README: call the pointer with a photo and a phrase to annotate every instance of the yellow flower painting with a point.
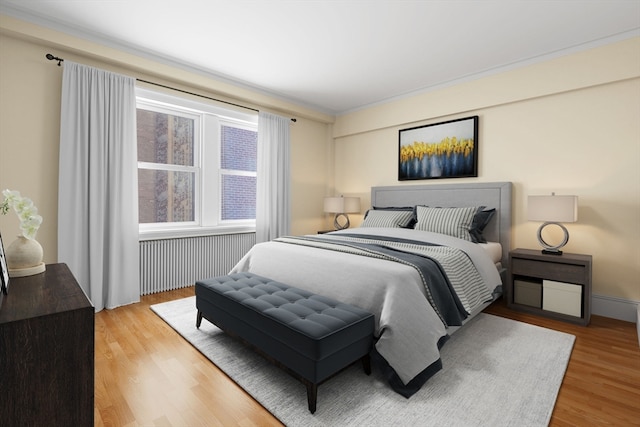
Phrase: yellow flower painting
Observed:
(442, 150)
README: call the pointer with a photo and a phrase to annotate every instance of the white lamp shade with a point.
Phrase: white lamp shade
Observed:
(342, 204)
(552, 208)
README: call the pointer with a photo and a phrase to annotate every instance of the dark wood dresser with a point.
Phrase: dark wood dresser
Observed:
(46, 351)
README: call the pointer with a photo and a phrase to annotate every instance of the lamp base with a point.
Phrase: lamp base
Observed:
(553, 249)
(341, 225)
(546, 252)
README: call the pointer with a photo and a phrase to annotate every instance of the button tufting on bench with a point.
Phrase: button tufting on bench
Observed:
(310, 335)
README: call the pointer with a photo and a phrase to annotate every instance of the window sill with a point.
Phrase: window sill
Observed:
(193, 232)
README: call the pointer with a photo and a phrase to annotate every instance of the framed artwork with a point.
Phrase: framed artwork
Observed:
(442, 150)
(4, 270)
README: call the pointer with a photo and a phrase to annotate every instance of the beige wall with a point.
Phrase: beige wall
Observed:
(570, 125)
(30, 111)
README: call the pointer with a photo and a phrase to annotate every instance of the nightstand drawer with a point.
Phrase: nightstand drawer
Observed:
(571, 273)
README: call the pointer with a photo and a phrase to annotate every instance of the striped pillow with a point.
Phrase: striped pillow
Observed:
(451, 221)
(389, 219)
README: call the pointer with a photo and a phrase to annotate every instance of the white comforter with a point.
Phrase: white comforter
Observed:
(407, 327)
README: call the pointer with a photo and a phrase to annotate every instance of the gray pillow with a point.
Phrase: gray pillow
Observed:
(388, 218)
(479, 223)
(454, 222)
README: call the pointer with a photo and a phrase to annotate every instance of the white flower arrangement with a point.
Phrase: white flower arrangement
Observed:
(25, 209)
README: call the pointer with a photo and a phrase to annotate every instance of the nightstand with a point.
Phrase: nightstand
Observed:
(555, 286)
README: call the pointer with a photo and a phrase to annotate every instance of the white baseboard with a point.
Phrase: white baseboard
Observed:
(616, 308)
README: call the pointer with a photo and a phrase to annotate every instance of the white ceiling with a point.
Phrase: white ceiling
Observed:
(339, 56)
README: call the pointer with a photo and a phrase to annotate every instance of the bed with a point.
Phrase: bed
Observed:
(422, 275)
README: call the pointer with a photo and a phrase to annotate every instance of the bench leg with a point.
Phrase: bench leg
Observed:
(312, 395)
(366, 364)
(198, 319)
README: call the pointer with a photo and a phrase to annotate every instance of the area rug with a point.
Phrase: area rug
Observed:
(496, 372)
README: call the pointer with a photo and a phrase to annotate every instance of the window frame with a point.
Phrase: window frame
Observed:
(207, 154)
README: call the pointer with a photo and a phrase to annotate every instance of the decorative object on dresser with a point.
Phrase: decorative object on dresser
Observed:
(47, 351)
(24, 256)
(341, 206)
(4, 270)
(552, 210)
(549, 285)
(442, 150)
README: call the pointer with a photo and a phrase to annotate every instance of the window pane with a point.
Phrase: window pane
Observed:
(164, 138)
(238, 197)
(165, 196)
(239, 149)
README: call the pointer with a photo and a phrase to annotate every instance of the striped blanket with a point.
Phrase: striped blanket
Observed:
(452, 284)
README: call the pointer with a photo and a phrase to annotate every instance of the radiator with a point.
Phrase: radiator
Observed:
(177, 263)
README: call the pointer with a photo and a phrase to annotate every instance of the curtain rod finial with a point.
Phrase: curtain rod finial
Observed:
(50, 57)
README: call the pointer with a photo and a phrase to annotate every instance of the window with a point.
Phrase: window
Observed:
(238, 173)
(196, 167)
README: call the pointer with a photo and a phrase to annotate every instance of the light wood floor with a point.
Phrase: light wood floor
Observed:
(147, 375)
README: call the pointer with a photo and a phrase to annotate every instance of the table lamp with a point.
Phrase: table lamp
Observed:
(552, 210)
(341, 206)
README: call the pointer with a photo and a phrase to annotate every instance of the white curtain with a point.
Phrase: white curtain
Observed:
(98, 190)
(273, 210)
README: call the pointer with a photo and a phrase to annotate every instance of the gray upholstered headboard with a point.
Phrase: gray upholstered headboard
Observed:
(490, 194)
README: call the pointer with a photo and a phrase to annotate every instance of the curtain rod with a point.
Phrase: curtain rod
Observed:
(50, 57)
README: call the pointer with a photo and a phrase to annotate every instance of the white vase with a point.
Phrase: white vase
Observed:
(24, 257)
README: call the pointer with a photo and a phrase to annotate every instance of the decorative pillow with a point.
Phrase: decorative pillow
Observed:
(391, 218)
(479, 223)
(454, 222)
(411, 209)
(394, 208)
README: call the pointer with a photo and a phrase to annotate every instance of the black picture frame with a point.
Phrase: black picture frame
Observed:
(4, 270)
(441, 150)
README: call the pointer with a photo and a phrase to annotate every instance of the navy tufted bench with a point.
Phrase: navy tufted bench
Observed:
(310, 336)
